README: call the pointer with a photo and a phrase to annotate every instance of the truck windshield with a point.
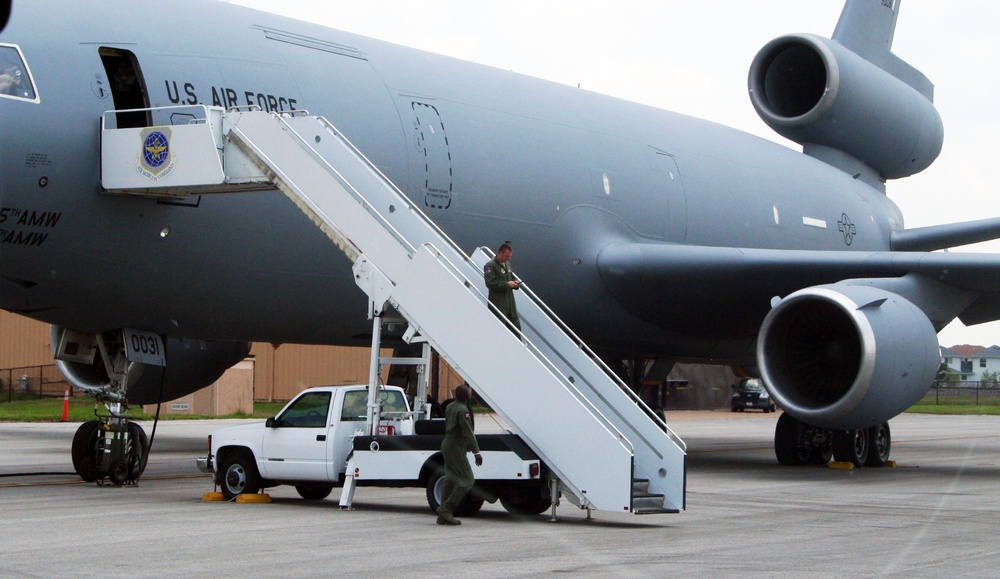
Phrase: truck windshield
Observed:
(15, 81)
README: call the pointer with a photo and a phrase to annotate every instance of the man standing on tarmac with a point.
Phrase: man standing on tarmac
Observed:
(501, 282)
(459, 439)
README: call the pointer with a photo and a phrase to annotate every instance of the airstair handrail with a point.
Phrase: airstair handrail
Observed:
(537, 352)
(202, 119)
(409, 205)
(596, 359)
(360, 197)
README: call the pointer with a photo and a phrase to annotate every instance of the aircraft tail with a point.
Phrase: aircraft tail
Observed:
(866, 28)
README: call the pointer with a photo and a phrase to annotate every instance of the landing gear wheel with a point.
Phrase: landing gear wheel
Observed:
(88, 469)
(468, 506)
(527, 501)
(821, 456)
(879, 445)
(84, 450)
(118, 472)
(790, 446)
(238, 476)
(313, 493)
(851, 446)
(137, 451)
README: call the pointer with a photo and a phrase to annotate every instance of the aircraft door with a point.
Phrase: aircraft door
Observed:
(669, 176)
(128, 89)
(650, 193)
(430, 160)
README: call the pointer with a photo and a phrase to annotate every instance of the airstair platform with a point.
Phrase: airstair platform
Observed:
(607, 449)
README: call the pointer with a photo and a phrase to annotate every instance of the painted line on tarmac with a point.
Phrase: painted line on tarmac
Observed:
(81, 482)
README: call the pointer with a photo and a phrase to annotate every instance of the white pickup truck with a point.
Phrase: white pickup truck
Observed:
(323, 432)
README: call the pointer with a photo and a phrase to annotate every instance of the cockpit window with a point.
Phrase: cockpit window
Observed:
(15, 80)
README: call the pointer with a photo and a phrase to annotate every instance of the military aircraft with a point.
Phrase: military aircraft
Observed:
(615, 208)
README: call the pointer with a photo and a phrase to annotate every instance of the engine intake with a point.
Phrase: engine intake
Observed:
(814, 91)
(847, 357)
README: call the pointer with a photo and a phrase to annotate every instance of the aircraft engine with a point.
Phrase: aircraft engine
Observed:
(815, 91)
(846, 357)
(190, 366)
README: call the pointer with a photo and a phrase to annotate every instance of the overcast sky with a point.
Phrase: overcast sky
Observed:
(692, 57)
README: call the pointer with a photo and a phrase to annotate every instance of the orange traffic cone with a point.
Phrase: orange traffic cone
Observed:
(65, 416)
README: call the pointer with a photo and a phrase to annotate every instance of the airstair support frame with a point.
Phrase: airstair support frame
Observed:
(297, 173)
(660, 453)
(546, 384)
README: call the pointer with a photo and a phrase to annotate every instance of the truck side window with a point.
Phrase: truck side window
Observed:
(355, 406)
(308, 411)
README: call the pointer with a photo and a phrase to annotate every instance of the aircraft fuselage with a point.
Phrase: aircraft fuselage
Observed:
(490, 155)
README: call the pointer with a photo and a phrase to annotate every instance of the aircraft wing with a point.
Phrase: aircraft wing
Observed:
(648, 276)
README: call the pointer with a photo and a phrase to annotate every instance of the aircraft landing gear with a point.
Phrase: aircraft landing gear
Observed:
(879, 445)
(110, 449)
(797, 443)
(851, 446)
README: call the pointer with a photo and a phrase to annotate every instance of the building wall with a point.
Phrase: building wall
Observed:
(975, 365)
(970, 363)
(230, 394)
(282, 372)
(279, 372)
(23, 342)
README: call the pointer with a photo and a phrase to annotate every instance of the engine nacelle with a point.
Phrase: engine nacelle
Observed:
(847, 357)
(813, 90)
(191, 365)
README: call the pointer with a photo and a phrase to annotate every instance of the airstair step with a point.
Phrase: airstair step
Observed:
(656, 511)
(647, 501)
(640, 485)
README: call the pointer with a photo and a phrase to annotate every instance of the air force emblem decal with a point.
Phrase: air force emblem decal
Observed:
(847, 228)
(155, 160)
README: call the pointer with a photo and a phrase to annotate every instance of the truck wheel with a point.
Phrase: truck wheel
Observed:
(238, 475)
(468, 506)
(527, 501)
(313, 493)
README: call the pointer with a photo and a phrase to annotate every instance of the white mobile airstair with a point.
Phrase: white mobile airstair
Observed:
(607, 449)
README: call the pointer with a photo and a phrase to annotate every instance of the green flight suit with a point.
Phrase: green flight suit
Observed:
(459, 440)
(501, 295)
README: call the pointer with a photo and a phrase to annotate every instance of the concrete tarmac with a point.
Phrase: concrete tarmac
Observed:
(936, 514)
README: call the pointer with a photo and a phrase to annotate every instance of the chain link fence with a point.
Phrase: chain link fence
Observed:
(963, 394)
(33, 382)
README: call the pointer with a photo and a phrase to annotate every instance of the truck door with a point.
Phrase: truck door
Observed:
(296, 448)
(353, 414)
